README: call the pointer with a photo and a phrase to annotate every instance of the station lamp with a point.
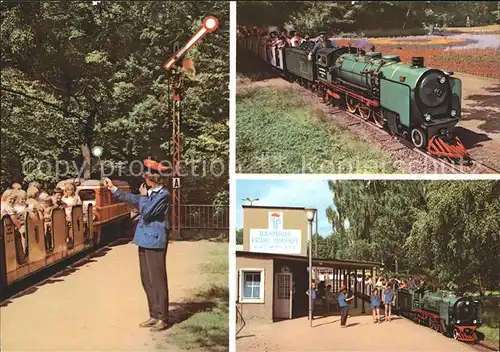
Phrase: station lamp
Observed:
(310, 212)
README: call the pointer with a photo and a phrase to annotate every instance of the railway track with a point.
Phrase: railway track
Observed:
(445, 166)
(474, 167)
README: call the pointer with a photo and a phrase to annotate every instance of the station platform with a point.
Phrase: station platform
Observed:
(97, 304)
(361, 334)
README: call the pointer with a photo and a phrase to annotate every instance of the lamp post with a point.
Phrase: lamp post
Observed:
(251, 200)
(310, 217)
(97, 152)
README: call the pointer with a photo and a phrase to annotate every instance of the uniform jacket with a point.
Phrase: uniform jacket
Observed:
(152, 228)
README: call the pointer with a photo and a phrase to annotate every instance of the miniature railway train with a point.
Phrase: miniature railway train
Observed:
(409, 100)
(442, 311)
(50, 242)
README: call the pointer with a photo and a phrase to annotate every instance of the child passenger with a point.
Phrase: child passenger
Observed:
(375, 303)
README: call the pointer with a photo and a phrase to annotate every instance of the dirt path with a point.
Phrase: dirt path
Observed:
(479, 128)
(360, 335)
(98, 307)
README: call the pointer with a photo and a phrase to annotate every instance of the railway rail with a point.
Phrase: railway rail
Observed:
(474, 166)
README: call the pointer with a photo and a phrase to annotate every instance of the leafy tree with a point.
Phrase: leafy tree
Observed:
(446, 230)
(455, 237)
(312, 17)
(239, 236)
(76, 75)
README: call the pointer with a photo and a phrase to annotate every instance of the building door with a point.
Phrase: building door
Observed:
(283, 296)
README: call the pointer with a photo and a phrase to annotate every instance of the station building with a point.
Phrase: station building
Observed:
(273, 265)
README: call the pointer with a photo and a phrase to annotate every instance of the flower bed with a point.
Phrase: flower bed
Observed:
(484, 62)
(481, 60)
(418, 41)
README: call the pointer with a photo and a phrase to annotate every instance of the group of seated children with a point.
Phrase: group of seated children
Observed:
(18, 203)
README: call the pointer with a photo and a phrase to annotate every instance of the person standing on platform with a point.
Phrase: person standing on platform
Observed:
(151, 236)
(388, 295)
(344, 306)
(375, 304)
(314, 295)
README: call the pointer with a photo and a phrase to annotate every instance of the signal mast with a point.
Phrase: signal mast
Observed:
(208, 25)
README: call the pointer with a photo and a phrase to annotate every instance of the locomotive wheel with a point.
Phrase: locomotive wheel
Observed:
(418, 138)
(351, 104)
(365, 112)
(455, 333)
(378, 118)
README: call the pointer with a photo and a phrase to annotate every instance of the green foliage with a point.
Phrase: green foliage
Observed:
(281, 132)
(312, 17)
(447, 231)
(239, 236)
(76, 75)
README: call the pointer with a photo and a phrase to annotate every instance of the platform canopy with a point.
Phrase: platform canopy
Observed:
(325, 263)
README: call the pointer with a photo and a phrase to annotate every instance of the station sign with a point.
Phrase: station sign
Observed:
(176, 182)
(275, 239)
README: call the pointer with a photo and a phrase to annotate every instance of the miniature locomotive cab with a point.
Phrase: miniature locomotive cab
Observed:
(56, 233)
(442, 311)
(99, 207)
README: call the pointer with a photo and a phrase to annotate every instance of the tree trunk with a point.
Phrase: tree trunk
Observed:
(406, 17)
(86, 161)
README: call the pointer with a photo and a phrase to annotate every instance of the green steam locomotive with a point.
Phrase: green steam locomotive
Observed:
(410, 100)
(442, 311)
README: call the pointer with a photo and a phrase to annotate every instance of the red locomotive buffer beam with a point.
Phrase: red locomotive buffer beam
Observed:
(438, 147)
(465, 333)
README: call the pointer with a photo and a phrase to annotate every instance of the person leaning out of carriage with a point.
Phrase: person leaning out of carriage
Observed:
(151, 236)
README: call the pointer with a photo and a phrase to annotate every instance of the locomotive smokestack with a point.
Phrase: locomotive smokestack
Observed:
(417, 61)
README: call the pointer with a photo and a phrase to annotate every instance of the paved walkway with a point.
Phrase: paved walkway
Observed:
(360, 335)
(98, 306)
(479, 127)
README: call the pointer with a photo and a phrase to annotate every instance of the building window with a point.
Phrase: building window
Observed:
(252, 286)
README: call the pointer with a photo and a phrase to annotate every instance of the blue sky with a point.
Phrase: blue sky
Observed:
(292, 193)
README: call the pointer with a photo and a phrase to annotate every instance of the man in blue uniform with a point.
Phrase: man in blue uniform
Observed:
(151, 236)
(344, 305)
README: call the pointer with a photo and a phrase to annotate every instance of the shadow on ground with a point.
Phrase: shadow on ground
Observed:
(57, 272)
(203, 321)
(253, 69)
(486, 109)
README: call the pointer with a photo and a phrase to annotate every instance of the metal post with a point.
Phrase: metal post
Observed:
(355, 288)
(316, 238)
(310, 275)
(364, 291)
(176, 153)
(348, 279)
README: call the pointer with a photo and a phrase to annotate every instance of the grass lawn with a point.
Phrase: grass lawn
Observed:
(491, 333)
(492, 28)
(207, 330)
(279, 131)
